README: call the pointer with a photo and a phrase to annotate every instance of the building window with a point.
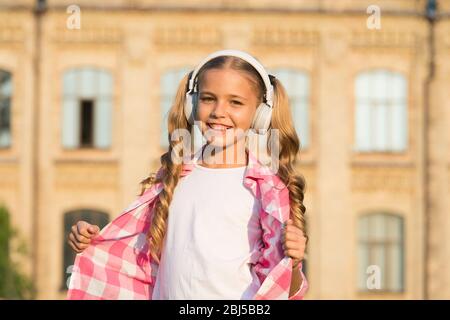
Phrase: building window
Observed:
(169, 85)
(381, 120)
(100, 219)
(380, 244)
(87, 123)
(87, 109)
(5, 108)
(297, 87)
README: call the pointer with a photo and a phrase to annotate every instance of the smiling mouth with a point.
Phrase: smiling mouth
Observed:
(218, 127)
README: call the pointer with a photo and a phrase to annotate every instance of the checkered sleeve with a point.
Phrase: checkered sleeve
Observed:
(273, 268)
(303, 287)
(117, 265)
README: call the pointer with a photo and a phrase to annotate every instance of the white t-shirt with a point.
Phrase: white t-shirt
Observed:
(213, 236)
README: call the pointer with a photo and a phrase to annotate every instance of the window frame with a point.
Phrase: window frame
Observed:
(393, 102)
(8, 97)
(74, 91)
(167, 98)
(303, 98)
(370, 244)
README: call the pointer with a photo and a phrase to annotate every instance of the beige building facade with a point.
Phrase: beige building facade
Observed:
(377, 196)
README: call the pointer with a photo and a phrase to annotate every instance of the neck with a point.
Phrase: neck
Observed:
(231, 156)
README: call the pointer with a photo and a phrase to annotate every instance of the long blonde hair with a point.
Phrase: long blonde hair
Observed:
(289, 146)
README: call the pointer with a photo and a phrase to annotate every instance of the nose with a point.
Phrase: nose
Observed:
(220, 109)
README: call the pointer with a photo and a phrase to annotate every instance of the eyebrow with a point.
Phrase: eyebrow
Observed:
(230, 95)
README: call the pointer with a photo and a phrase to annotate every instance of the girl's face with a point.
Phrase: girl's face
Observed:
(226, 106)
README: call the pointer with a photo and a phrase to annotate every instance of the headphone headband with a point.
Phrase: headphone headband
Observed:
(239, 54)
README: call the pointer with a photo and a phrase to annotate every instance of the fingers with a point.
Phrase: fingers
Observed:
(293, 228)
(79, 237)
(294, 254)
(93, 229)
(76, 246)
(294, 242)
(293, 250)
(293, 234)
(294, 237)
(82, 228)
(290, 244)
(293, 245)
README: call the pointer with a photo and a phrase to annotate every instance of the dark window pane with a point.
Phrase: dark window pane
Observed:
(5, 117)
(5, 105)
(87, 123)
(5, 79)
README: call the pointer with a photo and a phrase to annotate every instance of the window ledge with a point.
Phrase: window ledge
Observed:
(87, 159)
(8, 159)
(402, 159)
(86, 155)
(381, 294)
(404, 163)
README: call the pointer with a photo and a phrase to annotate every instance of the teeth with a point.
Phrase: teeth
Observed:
(218, 127)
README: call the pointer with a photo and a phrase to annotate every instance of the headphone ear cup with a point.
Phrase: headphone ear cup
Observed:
(194, 106)
(262, 118)
(194, 101)
(190, 106)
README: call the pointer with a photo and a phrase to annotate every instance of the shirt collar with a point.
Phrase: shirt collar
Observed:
(265, 185)
(254, 170)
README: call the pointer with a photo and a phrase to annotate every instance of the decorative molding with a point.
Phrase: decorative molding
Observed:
(87, 175)
(284, 37)
(335, 46)
(385, 39)
(11, 33)
(88, 34)
(385, 179)
(137, 46)
(187, 35)
(236, 36)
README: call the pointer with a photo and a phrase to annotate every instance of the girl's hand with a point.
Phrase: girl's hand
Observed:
(294, 242)
(81, 235)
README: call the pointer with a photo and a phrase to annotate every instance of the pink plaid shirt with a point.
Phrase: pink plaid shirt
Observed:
(117, 265)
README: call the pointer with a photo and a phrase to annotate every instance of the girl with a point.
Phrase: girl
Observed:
(210, 223)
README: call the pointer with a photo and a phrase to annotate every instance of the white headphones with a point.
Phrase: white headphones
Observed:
(263, 114)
